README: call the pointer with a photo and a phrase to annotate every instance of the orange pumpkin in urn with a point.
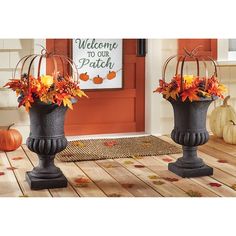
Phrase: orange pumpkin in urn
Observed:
(98, 80)
(10, 139)
(111, 75)
(84, 76)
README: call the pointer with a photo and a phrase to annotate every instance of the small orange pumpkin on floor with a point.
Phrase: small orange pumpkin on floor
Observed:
(10, 139)
(84, 76)
(98, 80)
(111, 75)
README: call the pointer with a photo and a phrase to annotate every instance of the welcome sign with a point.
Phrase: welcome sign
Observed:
(99, 62)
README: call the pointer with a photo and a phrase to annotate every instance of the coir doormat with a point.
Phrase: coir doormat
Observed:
(97, 149)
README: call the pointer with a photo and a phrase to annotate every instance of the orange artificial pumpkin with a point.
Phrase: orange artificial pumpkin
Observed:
(10, 139)
(111, 75)
(98, 80)
(84, 76)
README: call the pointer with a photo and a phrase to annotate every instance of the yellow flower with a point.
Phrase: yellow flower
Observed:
(47, 80)
(222, 88)
(188, 79)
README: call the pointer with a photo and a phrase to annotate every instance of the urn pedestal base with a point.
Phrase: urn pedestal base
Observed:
(188, 172)
(39, 183)
(190, 165)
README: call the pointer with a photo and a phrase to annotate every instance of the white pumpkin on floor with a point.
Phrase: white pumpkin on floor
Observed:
(229, 133)
(221, 116)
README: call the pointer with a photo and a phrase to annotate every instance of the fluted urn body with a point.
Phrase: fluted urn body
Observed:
(190, 132)
(46, 139)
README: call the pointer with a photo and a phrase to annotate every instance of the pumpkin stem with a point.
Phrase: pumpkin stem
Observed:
(10, 126)
(225, 102)
(232, 122)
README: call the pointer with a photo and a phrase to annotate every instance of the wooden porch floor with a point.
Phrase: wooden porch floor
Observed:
(139, 177)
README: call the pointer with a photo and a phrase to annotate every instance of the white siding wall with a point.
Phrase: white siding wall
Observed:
(11, 51)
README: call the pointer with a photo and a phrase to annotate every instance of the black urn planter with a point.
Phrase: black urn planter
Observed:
(190, 132)
(46, 139)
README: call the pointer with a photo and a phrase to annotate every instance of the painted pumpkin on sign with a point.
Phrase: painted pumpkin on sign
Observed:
(221, 116)
(111, 75)
(10, 139)
(84, 76)
(229, 133)
(98, 80)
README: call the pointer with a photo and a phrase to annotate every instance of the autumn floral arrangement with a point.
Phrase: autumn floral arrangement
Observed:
(194, 88)
(45, 88)
(50, 89)
(190, 87)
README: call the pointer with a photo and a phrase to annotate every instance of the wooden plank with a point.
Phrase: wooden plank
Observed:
(221, 145)
(218, 152)
(211, 161)
(8, 184)
(222, 190)
(72, 172)
(225, 178)
(129, 181)
(22, 166)
(159, 166)
(164, 187)
(103, 180)
(206, 181)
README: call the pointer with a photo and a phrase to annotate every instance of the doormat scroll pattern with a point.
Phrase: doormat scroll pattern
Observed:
(98, 149)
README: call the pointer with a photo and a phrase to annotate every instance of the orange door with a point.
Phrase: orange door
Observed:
(208, 46)
(108, 111)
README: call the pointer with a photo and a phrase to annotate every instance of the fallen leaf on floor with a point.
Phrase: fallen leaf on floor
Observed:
(81, 185)
(153, 177)
(192, 193)
(81, 180)
(127, 185)
(11, 168)
(109, 166)
(2, 173)
(222, 161)
(170, 179)
(128, 162)
(79, 144)
(114, 195)
(215, 184)
(110, 143)
(167, 159)
(158, 182)
(233, 187)
(139, 166)
(17, 158)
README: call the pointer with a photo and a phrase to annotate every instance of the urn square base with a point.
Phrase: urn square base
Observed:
(187, 172)
(37, 184)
